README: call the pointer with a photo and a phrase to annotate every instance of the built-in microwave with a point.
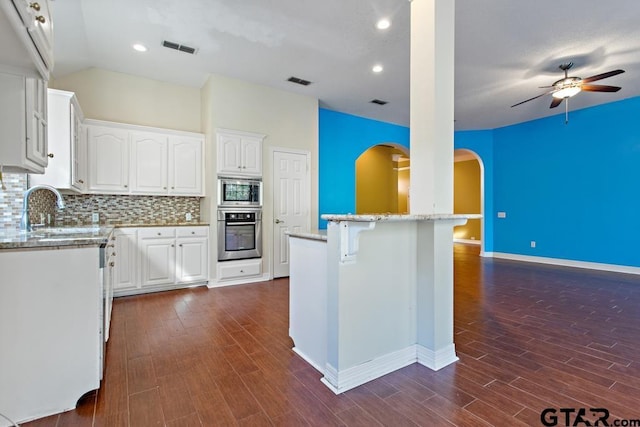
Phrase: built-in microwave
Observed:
(239, 192)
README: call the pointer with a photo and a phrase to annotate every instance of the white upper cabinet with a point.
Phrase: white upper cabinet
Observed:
(239, 153)
(152, 161)
(23, 123)
(27, 30)
(108, 152)
(148, 163)
(186, 164)
(66, 145)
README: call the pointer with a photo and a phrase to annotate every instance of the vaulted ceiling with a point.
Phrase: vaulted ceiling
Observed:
(505, 49)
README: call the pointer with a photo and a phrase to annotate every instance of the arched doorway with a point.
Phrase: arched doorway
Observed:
(468, 196)
(382, 180)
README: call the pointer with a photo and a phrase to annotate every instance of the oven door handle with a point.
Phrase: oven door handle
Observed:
(240, 223)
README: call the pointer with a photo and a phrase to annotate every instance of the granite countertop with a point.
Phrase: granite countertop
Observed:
(397, 217)
(311, 235)
(166, 224)
(71, 236)
(55, 238)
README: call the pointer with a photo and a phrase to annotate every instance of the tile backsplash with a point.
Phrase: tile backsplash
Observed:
(13, 185)
(112, 209)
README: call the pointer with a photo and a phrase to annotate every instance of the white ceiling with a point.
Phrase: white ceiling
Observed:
(505, 49)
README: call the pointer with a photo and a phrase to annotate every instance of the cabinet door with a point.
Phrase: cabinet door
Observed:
(185, 166)
(78, 151)
(229, 154)
(192, 260)
(125, 273)
(148, 163)
(158, 257)
(36, 111)
(251, 156)
(108, 152)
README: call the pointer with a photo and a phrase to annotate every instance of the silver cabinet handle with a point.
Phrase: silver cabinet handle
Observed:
(173, 246)
(180, 245)
(50, 155)
(278, 221)
(111, 264)
(35, 6)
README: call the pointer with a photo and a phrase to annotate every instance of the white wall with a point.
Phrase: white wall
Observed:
(118, 97)
(289, 121)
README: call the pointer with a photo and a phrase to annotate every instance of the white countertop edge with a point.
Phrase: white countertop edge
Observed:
(398, 217)
(307, 235)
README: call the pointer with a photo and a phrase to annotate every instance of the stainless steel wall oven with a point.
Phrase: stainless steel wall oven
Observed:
(239, 234)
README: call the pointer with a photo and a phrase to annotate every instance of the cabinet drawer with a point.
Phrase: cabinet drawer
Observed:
(192, 231)
(232, 270)
(156, 232)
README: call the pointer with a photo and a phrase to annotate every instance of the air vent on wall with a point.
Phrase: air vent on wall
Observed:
(378, 101)
(180, 47)
(299, 81)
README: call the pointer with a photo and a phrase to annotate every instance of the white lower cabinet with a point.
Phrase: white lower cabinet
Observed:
(157, 258)
(192, 254)
(237, 270)
(125, 272)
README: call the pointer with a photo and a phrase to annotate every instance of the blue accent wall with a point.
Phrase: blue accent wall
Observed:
(572, 188)
(343, 138)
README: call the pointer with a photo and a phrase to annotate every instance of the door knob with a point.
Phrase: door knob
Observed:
(278, 221)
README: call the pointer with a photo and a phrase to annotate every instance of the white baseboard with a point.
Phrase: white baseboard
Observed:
(345, 380)
(213, 283)
(566, 262)
(308, 360)
(436, 360)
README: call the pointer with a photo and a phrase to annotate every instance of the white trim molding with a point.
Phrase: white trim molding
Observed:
(349, 378)
(565, 262)
(436, 360)
(307, 359)
(215, 283)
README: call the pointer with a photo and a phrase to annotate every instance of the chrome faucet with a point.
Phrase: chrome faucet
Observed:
(25, 223)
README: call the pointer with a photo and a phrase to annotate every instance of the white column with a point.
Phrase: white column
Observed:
(431, 185)
(431, 122)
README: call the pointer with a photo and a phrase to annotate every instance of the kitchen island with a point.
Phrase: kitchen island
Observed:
(52, 305)
(383, 297)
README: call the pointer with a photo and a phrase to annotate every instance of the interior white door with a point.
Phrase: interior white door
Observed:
(291, 203)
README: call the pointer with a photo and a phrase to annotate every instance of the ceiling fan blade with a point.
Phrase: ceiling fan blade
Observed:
(535, 97)
(602, 76)
(600, 88)
(555, 102)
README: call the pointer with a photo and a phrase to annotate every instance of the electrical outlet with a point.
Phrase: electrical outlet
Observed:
(95, 217)
(188, 216)
(502, 214)
(533, 243)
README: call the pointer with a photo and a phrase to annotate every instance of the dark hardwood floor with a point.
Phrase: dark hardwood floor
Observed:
(529, 337)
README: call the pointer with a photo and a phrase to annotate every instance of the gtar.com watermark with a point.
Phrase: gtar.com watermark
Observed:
(587, 417)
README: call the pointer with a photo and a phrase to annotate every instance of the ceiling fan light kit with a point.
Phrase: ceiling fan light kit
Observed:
(570, 86)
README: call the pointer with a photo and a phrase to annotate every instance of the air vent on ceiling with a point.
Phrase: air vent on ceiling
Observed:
(378, 101)
(299, 81)
(180, 47)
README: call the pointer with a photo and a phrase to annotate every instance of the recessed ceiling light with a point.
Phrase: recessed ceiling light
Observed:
(140, 47)
(383, 24)
(377, 68)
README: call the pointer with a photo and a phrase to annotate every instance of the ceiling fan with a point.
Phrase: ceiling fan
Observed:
(570, 86)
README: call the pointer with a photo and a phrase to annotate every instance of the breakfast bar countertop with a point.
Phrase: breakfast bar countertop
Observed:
(310, 235)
